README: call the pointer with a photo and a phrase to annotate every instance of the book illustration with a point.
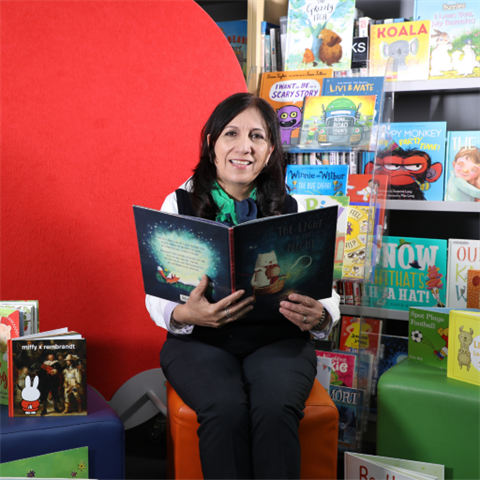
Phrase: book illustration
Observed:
(473, 289)
(462, 166)
(236, 33)
(376, 467)
(400, 51)
(344, 368)
(319, 34)
(329, 180)
(410, 273)
(463, 257)
(416, 169)
(48, 376)
(454, 37)
(368, 341)
(324, 371)
(464, 357)
(269, 258)
(29, 308)
(72, 463)
(285, 92)
(310, 202)
(344, 121)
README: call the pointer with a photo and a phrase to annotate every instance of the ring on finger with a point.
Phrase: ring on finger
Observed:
(227, 313)
(305, 319)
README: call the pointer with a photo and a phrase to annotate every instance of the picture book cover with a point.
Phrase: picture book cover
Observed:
(463, 257)
(285, 92)
(333, 121)
(350, 404)
(29, 308)
(464, 348)
(462, 166)
(71, 463)
(11, 326)
(416, 169)
(236, 33)
(369, 339)
(428, 336)
(324, 371)
(376, 467)
(473, 289)
(400, 51)
(269, 258)
(411, 273)
(329, 180)
(454, 37)
(310, 202)
(319, 34)
(344, 368)
(47, 375)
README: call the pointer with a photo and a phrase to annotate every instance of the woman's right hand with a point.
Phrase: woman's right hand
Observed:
(199, 311)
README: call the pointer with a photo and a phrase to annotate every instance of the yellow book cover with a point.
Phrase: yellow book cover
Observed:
(406, 48)
(464, 346)
(355, 242)
(285, 92)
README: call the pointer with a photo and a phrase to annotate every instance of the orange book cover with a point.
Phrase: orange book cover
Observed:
(406, 48)
(285, 92)
(350, 335)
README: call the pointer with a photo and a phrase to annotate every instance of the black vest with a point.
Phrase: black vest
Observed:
(242, 336)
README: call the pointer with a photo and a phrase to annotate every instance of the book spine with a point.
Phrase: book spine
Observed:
(278, 50)
(348, 287)
(273, 49)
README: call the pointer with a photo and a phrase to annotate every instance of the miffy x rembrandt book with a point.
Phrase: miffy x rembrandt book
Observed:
(269, 258)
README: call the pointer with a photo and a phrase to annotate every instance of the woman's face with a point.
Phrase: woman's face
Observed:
(241, 151)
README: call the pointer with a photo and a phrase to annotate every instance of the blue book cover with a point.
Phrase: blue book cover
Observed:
(268, 257)
(462, 166)
(416, 169)
(411, 272)
(236, 33)
(317, 179)
(454, 37)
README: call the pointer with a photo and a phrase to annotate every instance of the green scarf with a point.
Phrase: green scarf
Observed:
(228, 211)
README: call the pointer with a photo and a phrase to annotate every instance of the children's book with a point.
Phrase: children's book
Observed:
(236, 33)
(400, 51)
(454, 37)
(428, 336)
(265, 56)
(324, 371)
(11, 326)
(333, 121)
(319, 34)
(71, 463)
(350, 405)
(285, 92)
(344, 368)
(464, 348)
(29, 308)
(463, 257)
(269, 258)
(359, 466)
(310, 202)
(411, 273)
(369, 340)
(473, 289)
(329, 180)
(47, 374)
(462, 166)
(416, 169)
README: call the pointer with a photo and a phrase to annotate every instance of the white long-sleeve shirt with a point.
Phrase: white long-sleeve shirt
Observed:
(160, 310)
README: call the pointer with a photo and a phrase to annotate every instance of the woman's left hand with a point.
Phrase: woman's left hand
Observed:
(303, 311)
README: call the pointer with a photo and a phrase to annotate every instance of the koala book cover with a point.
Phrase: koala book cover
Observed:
(319, 34)
(269, 258)
(47, 375)
(400, 51)
(464, 346)
(285, 92)
(454, 37)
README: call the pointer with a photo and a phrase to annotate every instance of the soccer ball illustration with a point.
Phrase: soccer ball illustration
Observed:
(417, 336)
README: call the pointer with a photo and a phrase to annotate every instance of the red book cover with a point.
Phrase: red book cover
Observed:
(343, 367)
(350, 335)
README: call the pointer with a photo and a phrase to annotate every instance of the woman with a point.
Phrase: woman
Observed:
(246, 380)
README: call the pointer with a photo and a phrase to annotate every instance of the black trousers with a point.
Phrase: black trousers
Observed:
(249, 407)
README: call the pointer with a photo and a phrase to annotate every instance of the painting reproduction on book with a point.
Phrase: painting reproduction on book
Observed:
(319, 34)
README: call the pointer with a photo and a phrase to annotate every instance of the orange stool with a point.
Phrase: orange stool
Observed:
(318, 437)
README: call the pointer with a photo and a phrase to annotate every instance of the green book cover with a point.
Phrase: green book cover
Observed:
(71, 463)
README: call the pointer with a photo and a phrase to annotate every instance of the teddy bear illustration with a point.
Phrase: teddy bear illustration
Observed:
(30, 395)
(464, 355)
(330, 50)
(440, 60)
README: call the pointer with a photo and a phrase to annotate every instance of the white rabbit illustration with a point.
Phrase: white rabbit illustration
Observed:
(30, 395)
(440, 60)
(467, 64)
